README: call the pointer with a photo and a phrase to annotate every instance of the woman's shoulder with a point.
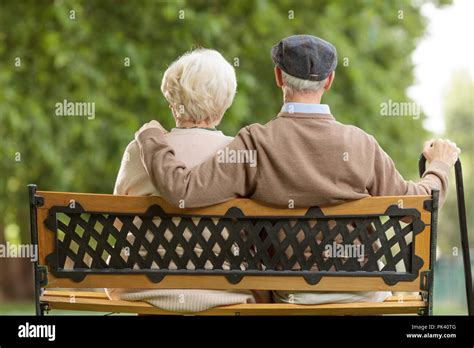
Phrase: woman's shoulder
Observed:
(132, 147)
(131, 154)
(132, 178)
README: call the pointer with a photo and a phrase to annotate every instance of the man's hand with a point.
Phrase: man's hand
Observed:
(441, 150)
(151, 124)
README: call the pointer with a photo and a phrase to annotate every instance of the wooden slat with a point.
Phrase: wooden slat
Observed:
(89, 303)
(103, 295)
(220, 283)
(46, 238)
(422, 247)
(136, 204)
(401, 298)
(83, 294)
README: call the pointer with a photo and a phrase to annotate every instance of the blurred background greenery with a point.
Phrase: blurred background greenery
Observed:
(83, 59)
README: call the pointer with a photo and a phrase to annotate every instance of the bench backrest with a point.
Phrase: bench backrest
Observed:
(97, 241)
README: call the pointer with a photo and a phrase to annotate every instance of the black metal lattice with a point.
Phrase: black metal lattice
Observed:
(234, 245)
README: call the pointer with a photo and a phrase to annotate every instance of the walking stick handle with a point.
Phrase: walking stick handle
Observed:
(422, 165)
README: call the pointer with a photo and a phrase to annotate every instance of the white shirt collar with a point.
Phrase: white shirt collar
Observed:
(304, 108)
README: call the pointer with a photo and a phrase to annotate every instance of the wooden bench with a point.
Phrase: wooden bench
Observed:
(82, 237)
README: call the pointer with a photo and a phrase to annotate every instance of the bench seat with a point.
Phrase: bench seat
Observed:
(99, 302)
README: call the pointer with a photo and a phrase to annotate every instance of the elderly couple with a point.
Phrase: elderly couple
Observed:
(303, 155)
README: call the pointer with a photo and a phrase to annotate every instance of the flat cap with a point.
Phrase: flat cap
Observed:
(305, 56)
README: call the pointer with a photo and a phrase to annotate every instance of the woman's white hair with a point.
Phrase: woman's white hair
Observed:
(200, 86)
(293, 84)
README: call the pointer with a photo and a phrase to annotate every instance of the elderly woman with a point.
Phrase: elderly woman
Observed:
(199, 87)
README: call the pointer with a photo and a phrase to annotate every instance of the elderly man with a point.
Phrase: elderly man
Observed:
(304, 156)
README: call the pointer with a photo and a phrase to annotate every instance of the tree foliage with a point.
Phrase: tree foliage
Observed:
(82, 59)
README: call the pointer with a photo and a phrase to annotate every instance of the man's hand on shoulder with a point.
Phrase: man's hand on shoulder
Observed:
(151, 125)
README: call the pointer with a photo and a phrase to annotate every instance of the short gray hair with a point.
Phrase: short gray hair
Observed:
(294, 84)
(200, 86)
